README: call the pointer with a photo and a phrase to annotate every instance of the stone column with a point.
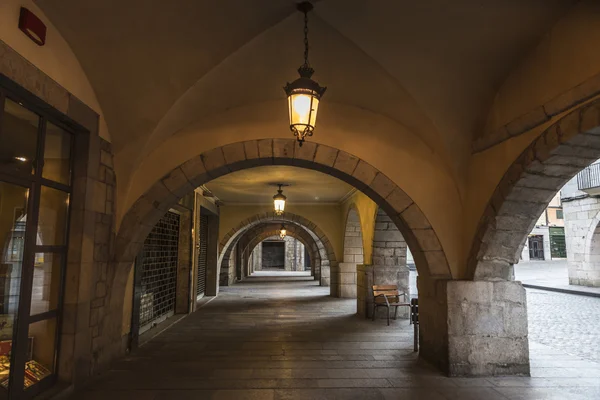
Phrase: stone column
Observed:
(474, 328)
(212, 257)
(184, 262)
(326, 274)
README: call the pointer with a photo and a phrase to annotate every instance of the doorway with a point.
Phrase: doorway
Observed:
(536, 247)
(273, 255)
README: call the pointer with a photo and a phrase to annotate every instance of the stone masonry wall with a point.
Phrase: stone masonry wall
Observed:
(104, 237)
(388, 268)
(582, 235)
(389, 246)
(294, 254)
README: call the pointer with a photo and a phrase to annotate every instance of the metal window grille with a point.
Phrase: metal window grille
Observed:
(202, 255)
(589, 177)
(159, 271)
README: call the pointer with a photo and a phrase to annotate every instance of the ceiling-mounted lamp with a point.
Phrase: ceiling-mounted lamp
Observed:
(279, 201)
(282, 231)
(304, 94)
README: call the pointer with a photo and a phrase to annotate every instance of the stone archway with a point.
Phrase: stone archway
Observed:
(327, 254)
(138, 221)
(146, 210)
(313, 253)
(556, 156)
(257, 234)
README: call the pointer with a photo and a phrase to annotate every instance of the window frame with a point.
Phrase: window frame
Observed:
(34, 183)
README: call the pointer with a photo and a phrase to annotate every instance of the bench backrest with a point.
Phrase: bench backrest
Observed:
(386, 290)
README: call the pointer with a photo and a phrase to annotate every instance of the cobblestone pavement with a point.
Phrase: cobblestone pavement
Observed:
(567, 322)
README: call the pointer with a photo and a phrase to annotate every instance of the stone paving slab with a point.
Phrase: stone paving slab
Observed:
(237, 347)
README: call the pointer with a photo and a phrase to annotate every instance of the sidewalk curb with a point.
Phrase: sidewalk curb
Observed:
(560, 290)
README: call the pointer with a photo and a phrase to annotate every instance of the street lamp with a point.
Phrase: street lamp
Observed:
(279, 201)
(304, 94)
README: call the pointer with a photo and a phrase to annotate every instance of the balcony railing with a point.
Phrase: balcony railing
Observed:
(589, 178)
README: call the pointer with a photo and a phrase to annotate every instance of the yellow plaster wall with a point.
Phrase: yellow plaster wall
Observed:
(367, 211)
(55, 58)
(567, 56)
(326, 217)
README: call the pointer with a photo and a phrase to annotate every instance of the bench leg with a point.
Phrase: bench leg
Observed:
(388, 315)
(374, 311)
(396, 313)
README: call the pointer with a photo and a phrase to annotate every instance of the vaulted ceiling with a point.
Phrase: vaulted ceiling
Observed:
(432, 65)
(258, 185)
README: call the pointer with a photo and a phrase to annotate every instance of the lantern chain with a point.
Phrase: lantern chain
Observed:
(306, 63)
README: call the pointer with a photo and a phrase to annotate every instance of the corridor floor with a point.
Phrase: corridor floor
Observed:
(284, 338)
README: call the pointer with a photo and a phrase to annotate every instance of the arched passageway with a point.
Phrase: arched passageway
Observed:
(444, 127)
(296, 255)
(255, 224)
(144, 213)
(404, 213)
(257, 234)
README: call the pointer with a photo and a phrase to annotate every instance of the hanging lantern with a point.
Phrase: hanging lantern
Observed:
(304, 94)
(282, 232)
(279, 201)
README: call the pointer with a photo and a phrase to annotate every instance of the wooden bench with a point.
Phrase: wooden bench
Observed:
(388, 296)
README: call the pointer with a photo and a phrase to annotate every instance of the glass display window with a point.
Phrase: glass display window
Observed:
(35, 177)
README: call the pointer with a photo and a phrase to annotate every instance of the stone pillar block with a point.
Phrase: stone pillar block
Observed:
(343, 281)
(326, 275)
(474, 328)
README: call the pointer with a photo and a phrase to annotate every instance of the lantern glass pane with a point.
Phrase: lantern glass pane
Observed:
(303, 109)
(313, 114)
(279, 205)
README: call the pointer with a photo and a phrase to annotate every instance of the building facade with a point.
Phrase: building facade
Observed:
(546, 241)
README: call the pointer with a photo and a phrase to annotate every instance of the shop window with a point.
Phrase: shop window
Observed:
(35, 178)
